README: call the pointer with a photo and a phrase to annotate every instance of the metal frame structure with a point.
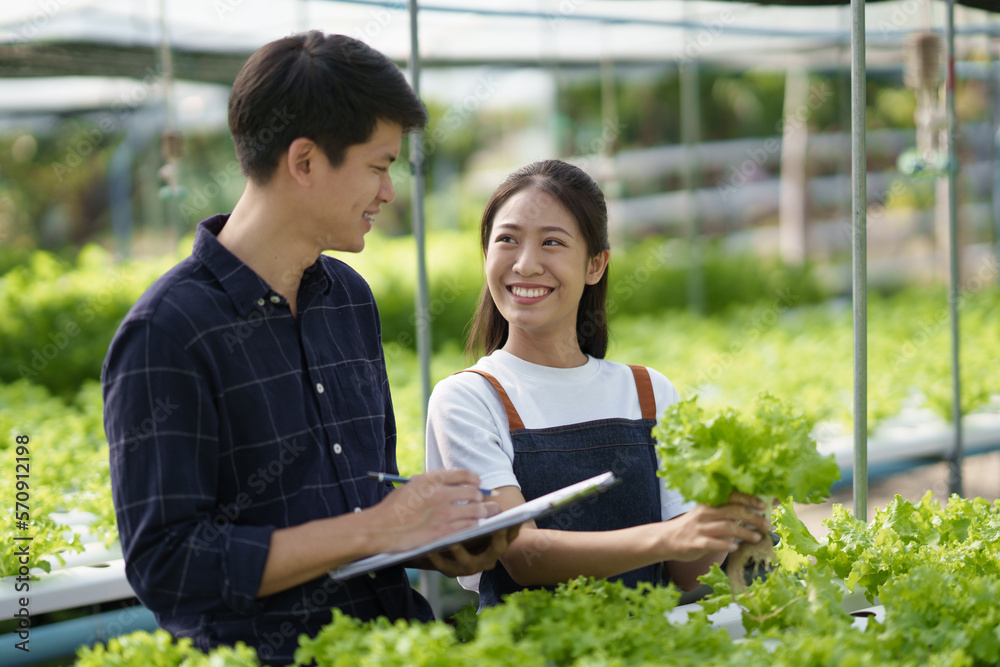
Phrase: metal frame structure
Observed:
(858, 208)
(859, 220)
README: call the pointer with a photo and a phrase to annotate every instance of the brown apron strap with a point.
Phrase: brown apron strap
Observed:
(513, 419)
(647, 401)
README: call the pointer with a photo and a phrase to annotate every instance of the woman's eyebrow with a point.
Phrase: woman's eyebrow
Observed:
(547, 228)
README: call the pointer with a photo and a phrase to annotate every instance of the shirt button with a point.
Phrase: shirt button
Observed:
(260, 302)
(275, 298)
(337, 448)
(319, 388)
(357, 509)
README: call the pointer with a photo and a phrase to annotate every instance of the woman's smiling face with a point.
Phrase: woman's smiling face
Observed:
(537, 265)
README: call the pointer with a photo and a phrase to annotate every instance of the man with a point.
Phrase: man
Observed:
(246, 394)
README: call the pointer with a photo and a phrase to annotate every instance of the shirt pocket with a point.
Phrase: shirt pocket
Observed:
(360, 381)
(363, 396)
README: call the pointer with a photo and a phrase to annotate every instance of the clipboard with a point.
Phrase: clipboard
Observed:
(533, 509)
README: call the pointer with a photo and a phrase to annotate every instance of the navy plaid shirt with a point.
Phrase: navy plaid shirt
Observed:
(228, 418)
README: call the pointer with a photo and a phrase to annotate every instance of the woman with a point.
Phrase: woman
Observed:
(543, 409)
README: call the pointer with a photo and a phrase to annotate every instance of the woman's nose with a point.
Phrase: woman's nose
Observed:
(527, 262)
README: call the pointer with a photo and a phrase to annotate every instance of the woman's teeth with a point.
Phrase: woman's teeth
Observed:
(538, 291)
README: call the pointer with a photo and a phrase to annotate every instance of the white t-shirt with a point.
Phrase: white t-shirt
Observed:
(467, 424)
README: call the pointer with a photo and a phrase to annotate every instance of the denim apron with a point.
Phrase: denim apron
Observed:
(547, 459)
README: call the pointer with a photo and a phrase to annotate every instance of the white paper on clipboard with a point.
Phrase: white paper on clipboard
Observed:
(533, 509)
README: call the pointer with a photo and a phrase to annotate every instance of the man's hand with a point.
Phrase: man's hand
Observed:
(422, 510)
(430, 506)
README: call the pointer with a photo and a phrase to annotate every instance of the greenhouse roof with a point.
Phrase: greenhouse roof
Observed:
(210, 40)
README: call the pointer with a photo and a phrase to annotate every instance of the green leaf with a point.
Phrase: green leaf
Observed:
(797, 546)
(766, 452)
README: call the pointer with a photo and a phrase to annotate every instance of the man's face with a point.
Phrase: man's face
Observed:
(349, 196)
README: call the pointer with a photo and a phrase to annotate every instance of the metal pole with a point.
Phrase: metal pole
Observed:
(429, 581)
(690, 91)
(995, 90)
(955, 459)
(167, 63)
(417, 189)
(691, 136)
(611, 184)
(169, 139)
(859, 219)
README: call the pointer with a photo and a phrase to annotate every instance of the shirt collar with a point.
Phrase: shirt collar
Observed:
(318, 277)
(248, 290)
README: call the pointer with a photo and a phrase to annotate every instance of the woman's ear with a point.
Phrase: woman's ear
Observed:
(596, 266)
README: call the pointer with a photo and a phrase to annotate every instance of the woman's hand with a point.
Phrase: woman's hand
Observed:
(471, 557)
(707, 530)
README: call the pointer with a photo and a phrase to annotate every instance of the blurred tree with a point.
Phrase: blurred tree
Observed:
(53, 185)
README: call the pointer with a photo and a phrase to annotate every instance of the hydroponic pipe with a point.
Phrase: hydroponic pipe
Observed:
(61, 640)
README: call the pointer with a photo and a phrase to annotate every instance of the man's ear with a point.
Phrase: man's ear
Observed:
(597, 265)
(300, 160)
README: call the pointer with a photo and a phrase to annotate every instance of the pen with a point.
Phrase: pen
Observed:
(386, 477)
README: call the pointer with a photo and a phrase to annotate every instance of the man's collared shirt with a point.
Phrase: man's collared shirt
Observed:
(228, 418)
